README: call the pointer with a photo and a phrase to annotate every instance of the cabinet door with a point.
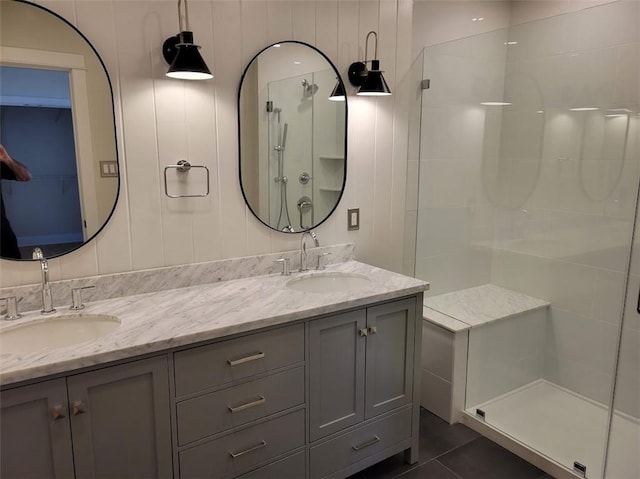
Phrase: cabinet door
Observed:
(336, 372)
(390, 347)
(120, 419)
(35, 433)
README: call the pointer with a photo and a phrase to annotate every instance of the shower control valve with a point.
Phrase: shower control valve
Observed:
(304, 178)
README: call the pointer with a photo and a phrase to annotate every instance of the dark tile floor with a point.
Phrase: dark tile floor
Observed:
(453, 452)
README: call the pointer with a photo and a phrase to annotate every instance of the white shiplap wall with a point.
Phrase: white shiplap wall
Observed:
(161, 121)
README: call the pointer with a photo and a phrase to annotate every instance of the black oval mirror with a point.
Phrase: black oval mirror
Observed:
(57, 120)
(293, 136)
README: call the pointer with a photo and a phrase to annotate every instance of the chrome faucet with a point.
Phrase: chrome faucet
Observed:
(47, 300)
(303, 248)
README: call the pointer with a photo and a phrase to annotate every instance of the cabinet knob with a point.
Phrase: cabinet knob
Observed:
(373, 329)
(57, 412)
(364, 332)
(78, 407)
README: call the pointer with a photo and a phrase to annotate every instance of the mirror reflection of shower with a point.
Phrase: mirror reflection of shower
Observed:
(284, 220)
(305, 158)
(308, 89)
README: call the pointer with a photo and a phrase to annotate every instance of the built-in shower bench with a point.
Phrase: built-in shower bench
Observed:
(445, 339)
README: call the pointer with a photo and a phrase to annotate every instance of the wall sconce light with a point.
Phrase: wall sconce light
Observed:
(338, 93)
(371, 82)
(181, 54)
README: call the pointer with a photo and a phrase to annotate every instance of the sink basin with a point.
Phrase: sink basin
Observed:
(329, 283)
(56, 332)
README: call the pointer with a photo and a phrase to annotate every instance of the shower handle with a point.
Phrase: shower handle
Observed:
(304, 178)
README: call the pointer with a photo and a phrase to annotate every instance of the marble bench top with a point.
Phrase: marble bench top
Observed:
(157, 321)
(477, 306)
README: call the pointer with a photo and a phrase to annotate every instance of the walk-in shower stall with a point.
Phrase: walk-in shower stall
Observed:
(528, 164)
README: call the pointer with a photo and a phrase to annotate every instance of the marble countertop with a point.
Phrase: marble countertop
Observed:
(483, 304)
(157, 321)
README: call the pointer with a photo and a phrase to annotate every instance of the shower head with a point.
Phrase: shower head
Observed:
(308, 89)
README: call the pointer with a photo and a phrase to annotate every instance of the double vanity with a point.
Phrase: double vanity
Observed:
(221, 369)
(309, 375)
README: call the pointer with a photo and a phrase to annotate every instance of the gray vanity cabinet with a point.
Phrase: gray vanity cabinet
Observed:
(361, 365)
(336, 372)
(240, 406)
(390, 349)
(119, 418)
(362, 405)
(318, 398)
(35, 433)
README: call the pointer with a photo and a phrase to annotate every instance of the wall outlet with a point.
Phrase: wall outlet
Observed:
(353, 219)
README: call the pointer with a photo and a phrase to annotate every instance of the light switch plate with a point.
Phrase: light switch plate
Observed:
(108, 169)
(353, 219)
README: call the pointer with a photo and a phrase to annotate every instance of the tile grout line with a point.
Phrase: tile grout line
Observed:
(413, 468)
(452, 449)
(449, 469)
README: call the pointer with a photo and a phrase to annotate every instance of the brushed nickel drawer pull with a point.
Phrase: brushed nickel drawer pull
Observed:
(262, 444)
(248, 405)
(370, 442)
(246, 359)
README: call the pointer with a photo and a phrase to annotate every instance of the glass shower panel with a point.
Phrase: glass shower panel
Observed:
(624, 438)
(455, 214)
(528, 190)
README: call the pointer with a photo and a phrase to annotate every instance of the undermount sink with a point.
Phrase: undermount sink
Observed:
(329, 283)
(55, 332)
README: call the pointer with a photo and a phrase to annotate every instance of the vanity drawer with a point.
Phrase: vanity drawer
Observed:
(221, 363)
(292, 467)
(238, 452)
(215, 412)
(342, 451)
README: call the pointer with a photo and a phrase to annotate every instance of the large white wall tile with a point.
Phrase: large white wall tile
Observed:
(594, 30)
(505, 355)
(440, 21)
(572, 287)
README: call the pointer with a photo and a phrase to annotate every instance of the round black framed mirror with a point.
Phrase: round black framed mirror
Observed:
(56, 121)
(292, 126)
